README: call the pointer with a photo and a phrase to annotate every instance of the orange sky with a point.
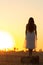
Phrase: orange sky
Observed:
(14, 16)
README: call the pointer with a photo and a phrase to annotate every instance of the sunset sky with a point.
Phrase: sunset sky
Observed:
(14, 15)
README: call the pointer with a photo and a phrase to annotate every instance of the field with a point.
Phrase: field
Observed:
(14, 58)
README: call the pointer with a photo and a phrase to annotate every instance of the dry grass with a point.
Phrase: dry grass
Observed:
(14, 58)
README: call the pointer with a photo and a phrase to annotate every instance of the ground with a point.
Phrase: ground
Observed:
(14, 58)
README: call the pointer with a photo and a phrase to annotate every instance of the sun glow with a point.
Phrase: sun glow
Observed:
(6, 41)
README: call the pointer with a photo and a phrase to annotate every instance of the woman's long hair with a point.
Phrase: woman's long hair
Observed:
(30, 24)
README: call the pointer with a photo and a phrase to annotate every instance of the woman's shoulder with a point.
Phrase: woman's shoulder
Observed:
(26, 24)
(35, 26)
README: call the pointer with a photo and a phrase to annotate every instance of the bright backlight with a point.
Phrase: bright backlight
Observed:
(6, 41)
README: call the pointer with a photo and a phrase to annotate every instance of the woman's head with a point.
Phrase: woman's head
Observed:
(31, 20)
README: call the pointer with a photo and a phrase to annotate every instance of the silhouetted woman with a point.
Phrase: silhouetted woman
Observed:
(31, 35)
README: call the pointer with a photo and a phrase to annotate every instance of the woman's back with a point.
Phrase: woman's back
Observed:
(30, 27)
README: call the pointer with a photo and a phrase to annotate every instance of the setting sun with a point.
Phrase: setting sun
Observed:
(6, 41)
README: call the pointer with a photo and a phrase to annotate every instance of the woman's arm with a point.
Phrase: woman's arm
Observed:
(26, 30)
(36, 31)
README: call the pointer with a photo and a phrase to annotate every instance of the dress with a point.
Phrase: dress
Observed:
(30, 40)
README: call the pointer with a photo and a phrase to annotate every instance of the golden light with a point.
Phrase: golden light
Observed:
(6, 41)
